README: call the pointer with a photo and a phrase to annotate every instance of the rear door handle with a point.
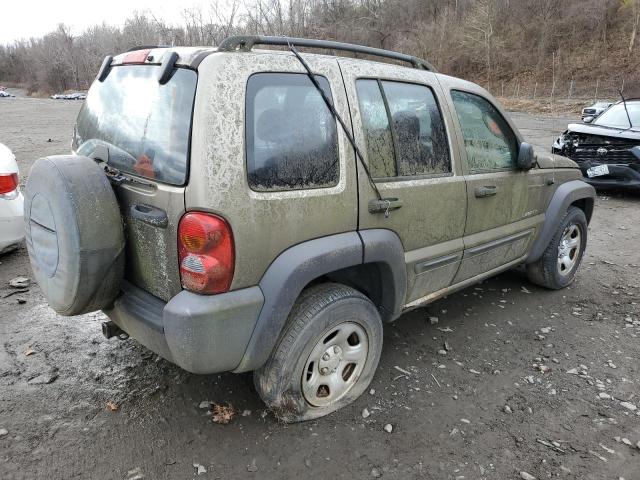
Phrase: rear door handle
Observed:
(384, 205)
(151, 215)
(486, 191)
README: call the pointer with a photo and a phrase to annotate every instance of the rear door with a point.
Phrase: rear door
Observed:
(403, 130)
(142, 129)
(505, 203)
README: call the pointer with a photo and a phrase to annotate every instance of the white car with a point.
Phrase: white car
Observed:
(595, 109)
(11, 201)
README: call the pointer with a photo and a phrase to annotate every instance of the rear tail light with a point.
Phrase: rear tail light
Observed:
(206, 253)
(8, 182)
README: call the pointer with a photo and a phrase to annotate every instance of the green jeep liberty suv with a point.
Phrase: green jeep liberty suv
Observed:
(244, 210)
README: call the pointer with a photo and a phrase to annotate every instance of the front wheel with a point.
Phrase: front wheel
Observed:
(558, 265)
(326, 356)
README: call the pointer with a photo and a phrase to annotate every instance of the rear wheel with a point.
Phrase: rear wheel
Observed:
(327, 354)
(558, 265)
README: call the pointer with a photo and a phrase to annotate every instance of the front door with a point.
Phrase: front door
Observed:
(403, 131)
(504, 202)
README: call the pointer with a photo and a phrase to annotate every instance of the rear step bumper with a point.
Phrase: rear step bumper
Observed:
(200, 333)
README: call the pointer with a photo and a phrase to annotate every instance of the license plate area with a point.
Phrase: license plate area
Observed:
(598, 171)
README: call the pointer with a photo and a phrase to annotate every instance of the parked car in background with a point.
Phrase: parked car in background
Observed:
(11, 201)
(269, 246)
(606, 149)
(69, 96)
(595, 109)
(4, 93)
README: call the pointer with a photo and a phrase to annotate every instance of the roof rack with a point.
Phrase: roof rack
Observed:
(246, 42)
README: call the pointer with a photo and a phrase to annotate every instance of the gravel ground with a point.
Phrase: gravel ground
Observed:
(534, 381)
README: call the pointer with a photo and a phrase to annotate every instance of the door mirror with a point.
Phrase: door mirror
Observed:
(588, 119)
(525, 156)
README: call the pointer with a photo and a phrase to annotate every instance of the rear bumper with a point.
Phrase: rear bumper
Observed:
(620, 177)
(199, 333)
(11, 221)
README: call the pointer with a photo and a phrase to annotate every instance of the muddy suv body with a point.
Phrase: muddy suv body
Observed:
(323, 242)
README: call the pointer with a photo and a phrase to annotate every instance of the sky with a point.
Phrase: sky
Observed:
(34, 18)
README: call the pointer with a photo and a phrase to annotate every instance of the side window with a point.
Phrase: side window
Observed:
(380, 152)
(291, 136)
(403, 128)
(421, 141)
(489, 141)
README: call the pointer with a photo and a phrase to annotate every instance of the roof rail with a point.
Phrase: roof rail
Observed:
(145, 47)
(246, 42)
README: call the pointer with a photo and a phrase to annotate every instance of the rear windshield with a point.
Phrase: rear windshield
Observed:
(143, 127)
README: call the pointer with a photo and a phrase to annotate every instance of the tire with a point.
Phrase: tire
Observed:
(293, 383)
(558, 265)
(74, 234)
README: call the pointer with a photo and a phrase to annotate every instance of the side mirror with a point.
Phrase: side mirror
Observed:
(525, 156)
(588, 119)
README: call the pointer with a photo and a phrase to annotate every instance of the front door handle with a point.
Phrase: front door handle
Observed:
(384, 205)
(486, 191)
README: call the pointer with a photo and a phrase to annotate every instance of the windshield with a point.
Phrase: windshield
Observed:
(144, 126)
(616, 116)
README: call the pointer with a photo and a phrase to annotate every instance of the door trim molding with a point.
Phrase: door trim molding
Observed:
(424, 267)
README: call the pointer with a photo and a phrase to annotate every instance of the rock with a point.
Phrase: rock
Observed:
(629, 406)
(637, 443)
(545, 330)
(21, 301)
(464, 420)
(526, 476)
(20, 282)
(442, 352)
(507, 409)
(553, 391)
(252, 468)
(475, 372)
(205, 404)
(388, 428)
(626, 441)
(604, 396)
(3, 432)
(372, 391)
(365, 413)
(135, 474)
(246, 413)
(375, 473)
(572, 371)
(43, 379)
(201, 470)
(433, 320)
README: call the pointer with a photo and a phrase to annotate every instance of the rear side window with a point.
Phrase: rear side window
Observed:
(403, 128)
(488, 140)
(291, 135)
(143, 127)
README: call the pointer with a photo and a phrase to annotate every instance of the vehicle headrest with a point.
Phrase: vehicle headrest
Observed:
(270, 125)
(407, 124)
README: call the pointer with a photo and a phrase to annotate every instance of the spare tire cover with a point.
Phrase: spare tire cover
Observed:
(74, 234)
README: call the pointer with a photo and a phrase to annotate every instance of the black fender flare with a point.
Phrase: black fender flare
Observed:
(566, 194)
(297, 266)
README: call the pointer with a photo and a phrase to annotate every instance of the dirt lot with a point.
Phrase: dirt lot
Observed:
(485, 410)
